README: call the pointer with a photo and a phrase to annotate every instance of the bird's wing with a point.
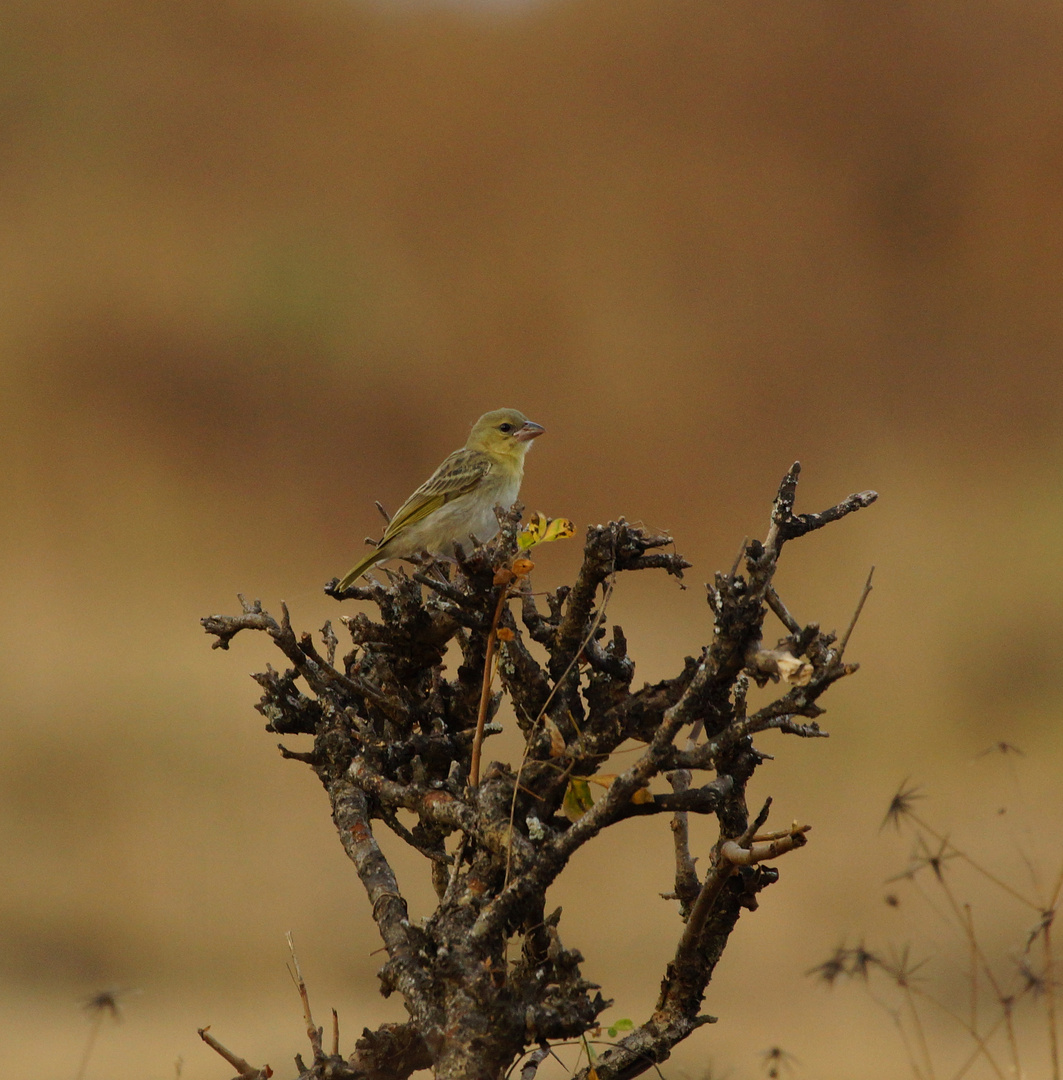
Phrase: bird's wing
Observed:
(459, 473)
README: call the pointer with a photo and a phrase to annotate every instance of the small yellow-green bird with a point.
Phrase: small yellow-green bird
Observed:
(458, 500)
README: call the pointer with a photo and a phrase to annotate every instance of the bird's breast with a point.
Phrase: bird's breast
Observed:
(471, 514)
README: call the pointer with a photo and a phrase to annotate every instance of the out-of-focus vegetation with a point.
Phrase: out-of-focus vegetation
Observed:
(263, 263)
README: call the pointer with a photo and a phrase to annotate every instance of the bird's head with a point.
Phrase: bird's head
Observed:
(504, 432)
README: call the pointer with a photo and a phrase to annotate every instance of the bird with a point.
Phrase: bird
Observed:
(458, 500)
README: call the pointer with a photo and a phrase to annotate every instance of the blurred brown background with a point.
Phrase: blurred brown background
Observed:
(262, 263)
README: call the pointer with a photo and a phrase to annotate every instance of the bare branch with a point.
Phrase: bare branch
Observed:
(784, 616)
(686, 877)
(785, 525)
(485, 691)
(392, 1052)
(856, 614)
(312, 1030)
(245, 1071)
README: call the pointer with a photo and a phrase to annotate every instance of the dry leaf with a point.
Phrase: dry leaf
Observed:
(794, 669)
(781, 663)
(557, 740)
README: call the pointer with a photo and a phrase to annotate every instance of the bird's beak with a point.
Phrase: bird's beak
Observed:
(527, 431)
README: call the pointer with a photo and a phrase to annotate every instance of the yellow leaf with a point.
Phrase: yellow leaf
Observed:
(559, 529)
(577, 799)
(532, 532)
(541, 529)
(642, 796)
(604, 779)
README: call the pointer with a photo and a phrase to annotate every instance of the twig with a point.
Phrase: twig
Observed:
(452, 884)
(99, 1005)
(94, 1030)
(245, 1070)
(759, 851)
(856, 614)
(443, 587)
(686, 876)
(328, 636)
(555, 854)
(920, 1030)
(722, 868)
(738, 558)
(1050, 995)
(775, 603)
(535, 1059)
(312, 1031)
(595, 623)
(906, 811)
(485, 689)
(786, 525)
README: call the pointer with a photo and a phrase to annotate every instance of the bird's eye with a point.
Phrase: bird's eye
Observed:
(505, 427)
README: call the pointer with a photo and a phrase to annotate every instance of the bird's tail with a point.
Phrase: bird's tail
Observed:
(352, 575)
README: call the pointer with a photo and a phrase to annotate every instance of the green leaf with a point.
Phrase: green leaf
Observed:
(577, 799)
